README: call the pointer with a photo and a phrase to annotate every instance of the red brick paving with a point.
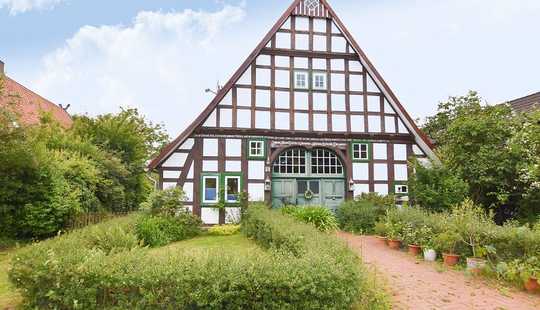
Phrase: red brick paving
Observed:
(420, 285)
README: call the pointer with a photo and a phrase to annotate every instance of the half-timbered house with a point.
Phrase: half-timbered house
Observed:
(306, 119)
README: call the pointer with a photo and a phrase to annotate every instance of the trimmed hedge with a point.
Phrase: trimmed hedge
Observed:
(79, 271)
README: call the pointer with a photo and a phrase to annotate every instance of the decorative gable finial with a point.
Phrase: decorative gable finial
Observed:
(312, 5)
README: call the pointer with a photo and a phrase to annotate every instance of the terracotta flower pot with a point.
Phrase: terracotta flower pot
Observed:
(450, 259)
(382, 240)
(475, 265)
(394, 244)
(415, 249)
(531, 285)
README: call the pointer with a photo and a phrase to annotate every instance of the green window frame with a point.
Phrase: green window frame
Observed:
(395, 187)
(222, 188)
(261, 149)
(361, 151)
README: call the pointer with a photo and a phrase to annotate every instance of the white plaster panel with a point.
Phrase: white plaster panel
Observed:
(283, 40)
(256, 170)
(338, 64)
(302, 23)
(263, 60)
(357, 123)
(176, 160)
(335, 28)
(416, 150)
(319, 43)
(169, 185)
(263, 77)
(301, 63)
(319, 25)
(301, 121)
(380, 151)
(243, 97)
(233, 166)
(387, 108)
(287, 24)
(210, 147)
(233, 147)
(188, 144)
(227, 100)
(400, 151)
(263, 98)
(320, 122)
(380, 172)
(301, 101)
(339, 123)
(232, 215)
(357, 103)
(361, 171)
(371, 86)
(225, 118)
(243, 119)
(339, 44)
(210, 165)
(188, 191)
(338, 102)
(211, 120)
(374, 104)
(171, 174)
(262, 119)
(359, 189)
(390, 124)
(282, 120)
(319, 64)
(210, 215)
(256, 192)
(400, 172)
(245, 79)
(355, 66)
(283, 100)
(320, 101)
(338, 82)
(374, 123)
(302, 41)
(381, 189)
(282, 61)
(190, 172)
(401, 127)
(356, 82)
(283, 78)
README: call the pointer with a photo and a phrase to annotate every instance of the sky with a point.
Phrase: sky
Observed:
(160, 55)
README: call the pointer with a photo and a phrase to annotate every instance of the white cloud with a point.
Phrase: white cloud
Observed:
(21, 6)
(161, 64)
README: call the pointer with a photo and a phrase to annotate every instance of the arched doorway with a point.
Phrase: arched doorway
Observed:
(308, 177)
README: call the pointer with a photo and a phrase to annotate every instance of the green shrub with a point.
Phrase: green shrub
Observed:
(359, 216)
(164, 202)
(320, 217)
(224, 230)
(160, 230)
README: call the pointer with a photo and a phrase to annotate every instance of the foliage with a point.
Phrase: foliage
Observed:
(436, 187)
(361, 214)
(329, 276)
(319, 216)
(446, 242)
(164, 202)
(224, 230)
(160, 230)
(519, 271)
(380, 229)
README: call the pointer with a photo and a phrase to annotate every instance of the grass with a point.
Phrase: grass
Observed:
(8, 296)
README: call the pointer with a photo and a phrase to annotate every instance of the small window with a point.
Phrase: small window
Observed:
(256, 149)
(402, 189)
(360, 151)
(319, 81)
(301, 80)
(232, 188)
(210, 189)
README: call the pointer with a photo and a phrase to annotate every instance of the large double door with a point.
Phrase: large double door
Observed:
(325, 192)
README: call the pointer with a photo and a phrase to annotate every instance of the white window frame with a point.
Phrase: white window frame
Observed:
(296, 80)
(323, 76)
(397, 186)
(261, 148)
(227, 189)
(216, 177)
(360, 151)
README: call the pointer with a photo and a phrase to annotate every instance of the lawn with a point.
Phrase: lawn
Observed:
(8, 296)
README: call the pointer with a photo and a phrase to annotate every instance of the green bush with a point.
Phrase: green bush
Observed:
(160, 230)
(164, 202)
(320, 217)
(74, 272)
(224, 230)
(359, 216)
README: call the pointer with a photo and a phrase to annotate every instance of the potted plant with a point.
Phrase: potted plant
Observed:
(530, 274)
(478, 262)
(380, 230)
(394, 235)
(411, 236)
(446, 243)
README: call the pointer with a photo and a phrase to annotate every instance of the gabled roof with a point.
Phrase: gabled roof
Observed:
(30, 105)
(526, 104)
(299, 7)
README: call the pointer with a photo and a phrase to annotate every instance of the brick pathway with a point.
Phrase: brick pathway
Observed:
(420, 285)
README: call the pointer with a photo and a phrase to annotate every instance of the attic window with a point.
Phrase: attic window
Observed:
(312, 4)
(301, 80)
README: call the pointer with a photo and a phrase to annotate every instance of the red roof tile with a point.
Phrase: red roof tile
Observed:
(526, 104)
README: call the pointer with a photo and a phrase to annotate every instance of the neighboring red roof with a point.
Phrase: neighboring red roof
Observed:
(30, 105)
(526, 104)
